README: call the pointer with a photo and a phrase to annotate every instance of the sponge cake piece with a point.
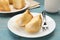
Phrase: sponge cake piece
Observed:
(1, 8)
(5, 5)
(18, 4)
(11, 1)
(24, 19)
(34, 25)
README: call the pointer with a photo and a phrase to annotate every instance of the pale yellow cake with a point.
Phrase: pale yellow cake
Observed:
(19, 4)
(5, 5)
(1, 8)
(24, 18)
(34, 25)
(11, 1)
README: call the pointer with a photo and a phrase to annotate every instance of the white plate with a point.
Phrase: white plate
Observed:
(14, 10)
(21, 32)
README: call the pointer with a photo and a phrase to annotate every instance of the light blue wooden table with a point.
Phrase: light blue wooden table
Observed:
(5, 34)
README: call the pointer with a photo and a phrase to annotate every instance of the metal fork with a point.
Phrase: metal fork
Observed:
(44, 27)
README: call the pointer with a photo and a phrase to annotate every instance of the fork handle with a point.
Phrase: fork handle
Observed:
(44, 15)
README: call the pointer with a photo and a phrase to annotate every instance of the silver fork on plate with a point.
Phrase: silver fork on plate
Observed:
(44, 27)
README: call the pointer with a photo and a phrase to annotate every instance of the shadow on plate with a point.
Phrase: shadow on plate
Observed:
(11, 14)
(15, 37)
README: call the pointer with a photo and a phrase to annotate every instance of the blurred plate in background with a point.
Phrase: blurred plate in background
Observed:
(14, 10)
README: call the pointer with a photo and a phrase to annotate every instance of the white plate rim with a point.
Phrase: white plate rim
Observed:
(35, 36)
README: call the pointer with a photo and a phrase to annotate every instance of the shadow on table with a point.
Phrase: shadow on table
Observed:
(5, 15)
(57, 13)
(15, 37)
